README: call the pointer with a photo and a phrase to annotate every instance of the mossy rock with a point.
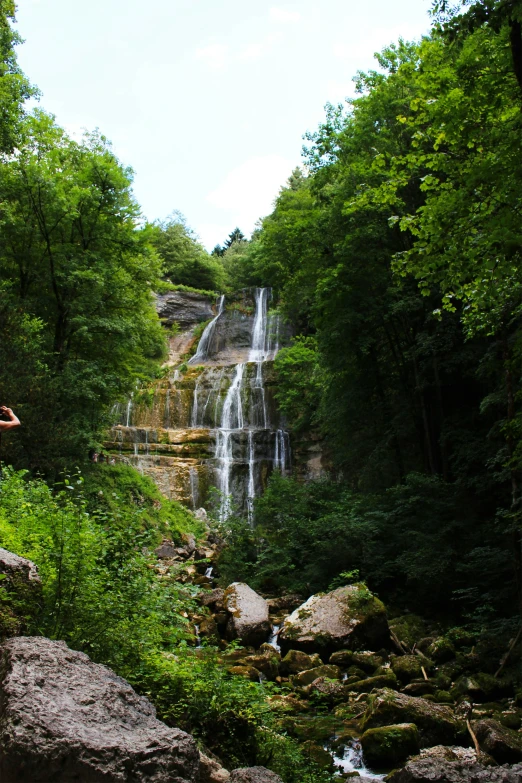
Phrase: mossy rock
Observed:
(341, 658)
(461, 637)
(441, 650)
(354, 671)
(389, 745)
(307, 677)
(248, 672)
(265, 663)
(420, 688)
(511, 719)
(443, 697)
(349, 617)
(367, 661)
(388, 680)
(296, 661)
(409, 667)
(436, 723)
(503, 744)
(408, 628)
(481, 688)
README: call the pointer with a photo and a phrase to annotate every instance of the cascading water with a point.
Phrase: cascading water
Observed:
(253, 417)
(202, 352)
(232, 419)
(229, 397)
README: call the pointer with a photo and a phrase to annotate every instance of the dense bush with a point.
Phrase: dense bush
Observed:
(100, 592)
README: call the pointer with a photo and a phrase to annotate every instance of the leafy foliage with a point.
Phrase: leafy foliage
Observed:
(184, 260)
(76, 267)
(100, 594)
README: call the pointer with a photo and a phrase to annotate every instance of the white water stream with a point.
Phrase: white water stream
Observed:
(252, 419)
(206, 337)
(352, 761)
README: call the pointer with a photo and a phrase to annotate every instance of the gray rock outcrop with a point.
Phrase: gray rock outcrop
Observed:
(349, 617)
(254, 775)
(20, 593)
(64, 718)
(453, 765)
(184, 308)
(247, 614)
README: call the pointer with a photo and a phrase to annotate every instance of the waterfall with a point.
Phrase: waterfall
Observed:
(281, 451)
(231, 419)
(206, 337)
(241, 419)
(251, 477)
(194, 414)
(129, 410)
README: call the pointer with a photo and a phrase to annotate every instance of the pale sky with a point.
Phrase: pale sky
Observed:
(207, 101)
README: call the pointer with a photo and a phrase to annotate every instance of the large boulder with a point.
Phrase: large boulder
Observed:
(20, 593)
(254, 775)
(349, 617)
(453, 765)
(503, 744)
(247, 615)
(64, 718)
(436, 723)
(388, 746)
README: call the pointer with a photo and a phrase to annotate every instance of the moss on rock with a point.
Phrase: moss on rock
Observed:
(389, 745)
(436, 723)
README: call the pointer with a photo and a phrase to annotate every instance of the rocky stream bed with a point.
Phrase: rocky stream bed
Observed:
(367, 697)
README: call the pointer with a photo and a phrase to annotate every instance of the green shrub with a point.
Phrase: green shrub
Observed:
(100, 593)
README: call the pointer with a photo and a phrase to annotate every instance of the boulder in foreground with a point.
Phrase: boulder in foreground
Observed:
(349, 617)
(453, 765)
(247, 614)
(64, 718)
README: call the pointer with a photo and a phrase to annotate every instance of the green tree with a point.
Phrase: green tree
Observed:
(73, 258)
(14, 87)
(184, 260)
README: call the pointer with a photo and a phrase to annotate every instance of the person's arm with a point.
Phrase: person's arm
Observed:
(13, 422)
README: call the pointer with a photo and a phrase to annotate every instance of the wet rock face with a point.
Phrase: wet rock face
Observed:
(65, 718)
(453, 765)
(247, 614)
(184, 308)
(349, 617)
(20, 593)
(254, 775)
